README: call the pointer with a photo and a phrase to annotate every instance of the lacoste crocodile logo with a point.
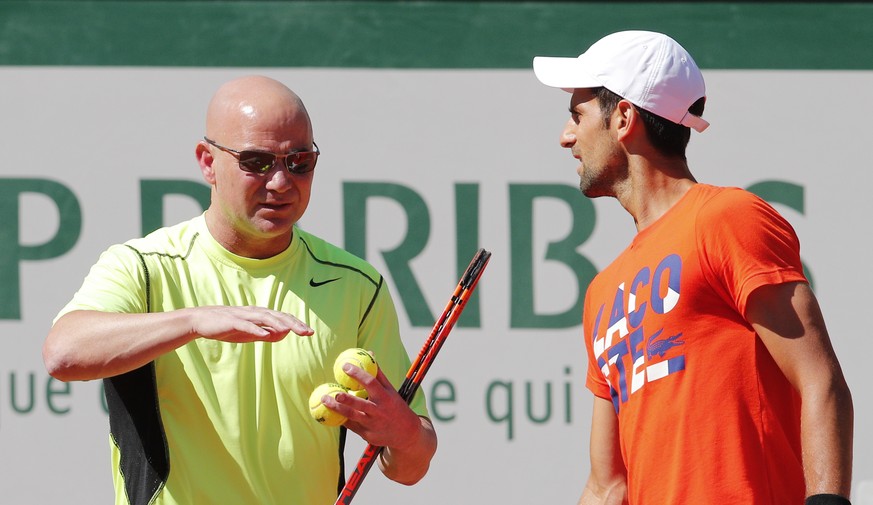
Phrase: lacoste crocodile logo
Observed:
(660, 347)
(313, 283)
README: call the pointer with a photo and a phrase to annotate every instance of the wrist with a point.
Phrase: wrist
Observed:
(827, 499)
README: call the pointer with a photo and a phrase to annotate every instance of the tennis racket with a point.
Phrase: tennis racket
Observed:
(422, 364)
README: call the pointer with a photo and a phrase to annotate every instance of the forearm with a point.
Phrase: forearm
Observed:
(607, 482)
(409, 464)
(827, 419)
(85, 345)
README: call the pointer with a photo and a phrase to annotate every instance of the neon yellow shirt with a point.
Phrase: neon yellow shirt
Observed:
(217, 422)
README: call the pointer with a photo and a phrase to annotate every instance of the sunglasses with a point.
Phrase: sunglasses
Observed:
(261, 162)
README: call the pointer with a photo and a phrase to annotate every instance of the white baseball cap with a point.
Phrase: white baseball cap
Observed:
(649, 69)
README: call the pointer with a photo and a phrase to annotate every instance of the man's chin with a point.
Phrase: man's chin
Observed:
(273, 226)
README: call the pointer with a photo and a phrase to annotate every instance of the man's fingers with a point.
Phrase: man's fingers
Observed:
(384, 380)
(375, 386)
(348, 405)
(281, 322)
(247, 324)
(277, 323)
(300, 328)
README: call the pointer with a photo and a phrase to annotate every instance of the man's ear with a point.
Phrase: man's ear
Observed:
(626, 118)
(205, 159)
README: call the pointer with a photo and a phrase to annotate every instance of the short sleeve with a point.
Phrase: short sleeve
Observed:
(116, 283)
(745, 244)
(594, 379)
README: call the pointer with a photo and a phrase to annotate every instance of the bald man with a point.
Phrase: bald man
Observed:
(211, 334)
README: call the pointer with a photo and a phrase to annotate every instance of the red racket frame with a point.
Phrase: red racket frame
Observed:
(422, 363)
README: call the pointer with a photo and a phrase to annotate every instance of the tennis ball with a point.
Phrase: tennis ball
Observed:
(358, 357)
(317, 409)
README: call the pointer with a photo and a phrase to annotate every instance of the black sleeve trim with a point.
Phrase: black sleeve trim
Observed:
(373, 300)
(137, 431)
(145, 270)
(135, 424)
(341, 482)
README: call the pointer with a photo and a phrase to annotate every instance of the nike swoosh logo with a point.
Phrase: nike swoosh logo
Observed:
(315, 284)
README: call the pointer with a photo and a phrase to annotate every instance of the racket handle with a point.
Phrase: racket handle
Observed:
(371, 453)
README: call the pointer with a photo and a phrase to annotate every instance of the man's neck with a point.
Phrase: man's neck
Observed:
(651, 191)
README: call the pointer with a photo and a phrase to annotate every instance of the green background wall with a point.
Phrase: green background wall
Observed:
(726, 35)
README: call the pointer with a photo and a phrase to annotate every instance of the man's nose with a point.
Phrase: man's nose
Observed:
(568, 137)
(279, 178)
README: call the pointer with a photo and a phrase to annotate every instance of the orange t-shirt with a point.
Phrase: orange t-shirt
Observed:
(705, 415)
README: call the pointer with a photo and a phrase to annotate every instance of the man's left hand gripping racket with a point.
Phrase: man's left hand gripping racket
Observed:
(422, 363)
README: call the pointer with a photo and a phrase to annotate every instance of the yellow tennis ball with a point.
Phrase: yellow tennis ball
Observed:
(317, 409)
(358, 357)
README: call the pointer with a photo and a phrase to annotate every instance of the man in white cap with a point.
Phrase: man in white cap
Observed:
(713, 374)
